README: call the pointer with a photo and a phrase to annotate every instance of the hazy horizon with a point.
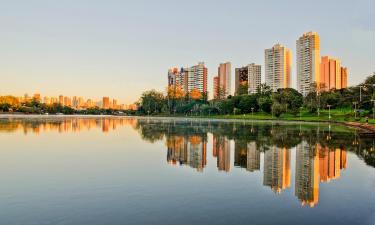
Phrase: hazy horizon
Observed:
(122, 48)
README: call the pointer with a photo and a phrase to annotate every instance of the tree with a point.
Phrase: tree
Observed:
(152, 101)
(195, 94)
(265, 103)
(243, 88)
(290, 98)
(248, 102)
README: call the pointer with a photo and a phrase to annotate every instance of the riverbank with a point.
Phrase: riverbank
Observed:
(365, 129)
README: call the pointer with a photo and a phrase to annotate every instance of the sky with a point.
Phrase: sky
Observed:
(119, 48)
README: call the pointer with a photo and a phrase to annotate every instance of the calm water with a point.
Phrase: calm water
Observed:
(156, 171)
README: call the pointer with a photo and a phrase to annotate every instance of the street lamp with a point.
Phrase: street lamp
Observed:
(373, 109)
(300, 113)
(329, 111)
(252, 112)
(355, 109)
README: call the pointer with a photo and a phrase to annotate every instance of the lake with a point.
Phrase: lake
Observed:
(124, 170)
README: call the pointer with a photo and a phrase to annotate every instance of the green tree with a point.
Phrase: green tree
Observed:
(152, 102)
(248, 102)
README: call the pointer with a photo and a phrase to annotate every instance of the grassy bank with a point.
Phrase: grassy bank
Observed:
(336, 116)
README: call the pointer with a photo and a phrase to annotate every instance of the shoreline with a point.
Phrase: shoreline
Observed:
(366, 130)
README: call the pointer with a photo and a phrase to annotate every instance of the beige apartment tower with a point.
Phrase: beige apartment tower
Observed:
(278, 64)
(308, 61)
(254, 77)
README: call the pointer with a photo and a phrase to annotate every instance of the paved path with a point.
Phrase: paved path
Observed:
(366, 129)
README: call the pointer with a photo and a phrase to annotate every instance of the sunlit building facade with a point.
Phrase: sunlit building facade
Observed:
(225, 76)
(332, 74)
(278, 66)
(254, 77)
(308, 62)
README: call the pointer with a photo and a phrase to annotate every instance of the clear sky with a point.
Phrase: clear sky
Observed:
(120, 48)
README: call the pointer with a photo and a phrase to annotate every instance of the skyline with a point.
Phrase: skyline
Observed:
(97, 49)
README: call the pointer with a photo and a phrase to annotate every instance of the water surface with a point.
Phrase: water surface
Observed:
(112, 170)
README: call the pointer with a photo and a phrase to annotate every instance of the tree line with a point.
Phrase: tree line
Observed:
(174, 101)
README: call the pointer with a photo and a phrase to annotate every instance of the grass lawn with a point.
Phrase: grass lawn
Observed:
(337, 115)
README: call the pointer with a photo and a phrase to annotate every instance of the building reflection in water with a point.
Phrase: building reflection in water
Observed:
(319, 157)
(315, 164)
(191, 151)
(64, 125)
(246, 155)
(221, 149)
(276, 173)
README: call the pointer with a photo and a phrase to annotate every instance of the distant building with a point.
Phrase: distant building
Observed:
(105, 103)
(37, 97)
(67, 101)
(254, 78)
(278, 66)
(308, 61)
(114, 104)
(241, 78)
(225, 76)
(61, 100)
(46, 100)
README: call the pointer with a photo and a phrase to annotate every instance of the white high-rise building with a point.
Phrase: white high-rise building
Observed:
(254, 77)
(308, 61)
(278, 63)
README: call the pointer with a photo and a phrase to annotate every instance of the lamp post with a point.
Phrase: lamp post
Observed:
(300, 113)
(329, 111)
(360, 93)
(355, 109)
(373, 109)
(252, 112)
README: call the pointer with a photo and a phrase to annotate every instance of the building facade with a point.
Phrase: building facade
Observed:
(308, 61)
(241, 79)
(190, 78)
(332, 74)
(254, 77)
(278, 64)
(225, 76)
(216, 90)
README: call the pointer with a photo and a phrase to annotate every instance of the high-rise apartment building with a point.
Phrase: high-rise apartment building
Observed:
(241, 79)
(216, 87)
(278, 65)
(344, 77)
(105, 103)
(178, 78)
(188, 79)
(225, 76)
(197, 78)
(254, 77)
(332, 74)
(61, 100)
(308, 61)
(37, 97)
